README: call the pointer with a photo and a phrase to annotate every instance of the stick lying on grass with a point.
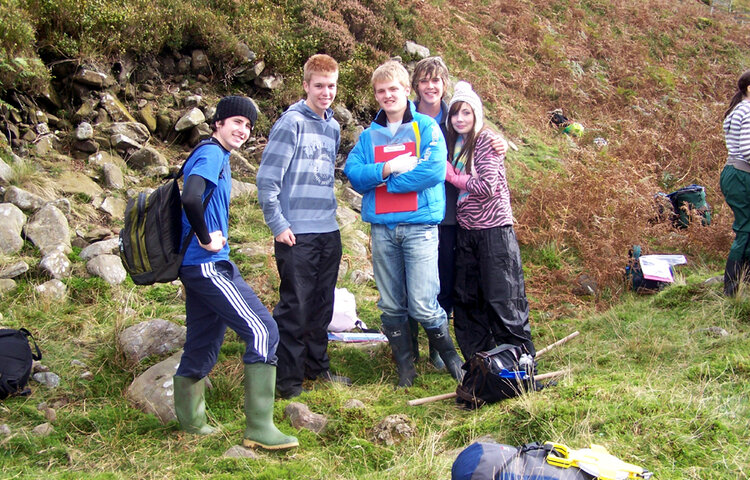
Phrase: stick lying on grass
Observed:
(446, 396)
(543, 376)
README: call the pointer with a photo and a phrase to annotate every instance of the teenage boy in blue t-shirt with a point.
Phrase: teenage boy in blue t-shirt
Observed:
(216, 296)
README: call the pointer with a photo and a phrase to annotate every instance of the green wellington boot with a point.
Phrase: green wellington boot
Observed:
(260, 382)
(190, 405)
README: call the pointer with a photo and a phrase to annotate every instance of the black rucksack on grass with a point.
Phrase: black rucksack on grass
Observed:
(504, 372)
(151, 237)
(16, 359)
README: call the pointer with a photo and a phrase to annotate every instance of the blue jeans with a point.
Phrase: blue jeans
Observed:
(405, 263)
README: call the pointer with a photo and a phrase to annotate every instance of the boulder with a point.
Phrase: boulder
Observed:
(52, 290)
(14, 270)
(56, 264)
(192, 118)
(26, 201)
(108, 267)
(393, 429)
(152, 337)
(103, 247)
(300, 416)
(115, 109)
(153, 390)
(48, 230)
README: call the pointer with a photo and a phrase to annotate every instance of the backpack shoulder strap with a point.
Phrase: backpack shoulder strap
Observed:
(28, 334)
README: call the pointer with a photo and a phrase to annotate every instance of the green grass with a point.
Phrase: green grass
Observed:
(649, 381)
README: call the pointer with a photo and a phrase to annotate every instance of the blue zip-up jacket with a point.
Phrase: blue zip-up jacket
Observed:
(427, 178)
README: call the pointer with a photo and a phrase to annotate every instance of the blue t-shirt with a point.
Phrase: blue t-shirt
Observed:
(211, 162)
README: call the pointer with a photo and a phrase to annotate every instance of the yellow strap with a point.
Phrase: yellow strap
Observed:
(415, 127)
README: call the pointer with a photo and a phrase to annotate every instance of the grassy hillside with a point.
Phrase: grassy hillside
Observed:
(653, 378)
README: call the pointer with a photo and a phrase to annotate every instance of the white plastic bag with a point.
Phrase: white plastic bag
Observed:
(344, 312)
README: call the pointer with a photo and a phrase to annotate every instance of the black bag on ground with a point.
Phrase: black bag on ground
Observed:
(151, 237)
(634, 279)
(15, 361)
(503, 372)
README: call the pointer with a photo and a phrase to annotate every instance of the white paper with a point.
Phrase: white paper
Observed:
(656, 267)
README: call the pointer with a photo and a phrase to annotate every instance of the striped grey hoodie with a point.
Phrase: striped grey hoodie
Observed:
(295, 179)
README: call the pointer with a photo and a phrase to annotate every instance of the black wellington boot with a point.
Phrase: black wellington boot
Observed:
(733, 274)
(440, 340)
(400, 342)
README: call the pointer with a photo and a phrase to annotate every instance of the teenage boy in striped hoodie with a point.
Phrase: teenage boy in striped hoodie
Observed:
(295, 190)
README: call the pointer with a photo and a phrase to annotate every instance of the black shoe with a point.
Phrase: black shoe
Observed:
(327, 376)
(289, 394)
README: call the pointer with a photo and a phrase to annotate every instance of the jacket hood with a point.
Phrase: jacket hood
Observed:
(301, 107)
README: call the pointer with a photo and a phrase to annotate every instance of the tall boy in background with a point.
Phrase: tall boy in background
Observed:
(295, 190)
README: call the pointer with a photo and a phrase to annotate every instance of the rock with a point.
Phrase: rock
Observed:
(113, 176)
(133, 130)
(238, 451)
(84, 131)
(301, 416)
(192, 101)
(6, 285)
(147, 157)
(62, 204)
(240, 164)
(199, 132)
(153, 390)
(152, 337)
(192, 118)
(14, 270)
(360, 277)
(585, 285)
(87, 376)
(113, 206)
(26, 201)
(77, 182)
(55, 264)
(343, 115)
(49, 379)
(6, 172)
(354, 403)
(48, 230)
(77, 363)
(13, 220)
(346, 216)
(108, 267)
(43, 430)
(115, 109)
(719, 279)
(100, 159)
(242, 188)
(414, 49)
(109, 246)
(91, 78)
(52, 290)
(717, 332)
(353, 198)
(393, 429)
(147, 117)
(356, 247)
(199, 61)
(49, 413)
(4, 430)
(46, 145)
(96, 234)
(343, 269)
(269, 82)
(124, 143)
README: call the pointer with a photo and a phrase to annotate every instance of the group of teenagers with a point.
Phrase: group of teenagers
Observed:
(452, 251)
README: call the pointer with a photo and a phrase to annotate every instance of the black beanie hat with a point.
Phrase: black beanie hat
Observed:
(235, 105)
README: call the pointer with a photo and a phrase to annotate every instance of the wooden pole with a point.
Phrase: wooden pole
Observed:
(557, 343)
(446, 396)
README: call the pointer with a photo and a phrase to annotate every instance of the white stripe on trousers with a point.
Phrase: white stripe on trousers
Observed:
(233, 295)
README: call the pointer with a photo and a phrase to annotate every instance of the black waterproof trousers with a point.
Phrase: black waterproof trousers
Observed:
(308, 272)
(489, 305)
